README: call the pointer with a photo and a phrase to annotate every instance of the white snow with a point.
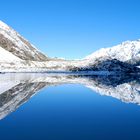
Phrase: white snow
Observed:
(126, 51)
(3, 25)
(6, 56)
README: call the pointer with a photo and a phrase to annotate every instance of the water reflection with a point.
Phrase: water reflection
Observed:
(15, 89)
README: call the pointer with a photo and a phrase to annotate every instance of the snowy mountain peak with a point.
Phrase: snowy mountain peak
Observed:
(128, 51)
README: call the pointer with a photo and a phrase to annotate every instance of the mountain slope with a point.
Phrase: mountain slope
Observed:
(7, 56)
(128, 51)
(11, 41)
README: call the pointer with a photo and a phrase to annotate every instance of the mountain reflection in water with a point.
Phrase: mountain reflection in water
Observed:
(16, 89)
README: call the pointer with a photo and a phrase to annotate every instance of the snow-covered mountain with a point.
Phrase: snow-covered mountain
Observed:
(128, 51)
(123, 57)
(11, 41)
(18, 55)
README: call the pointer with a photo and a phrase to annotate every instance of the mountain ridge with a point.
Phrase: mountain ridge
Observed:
(125, 52)
(19, 55)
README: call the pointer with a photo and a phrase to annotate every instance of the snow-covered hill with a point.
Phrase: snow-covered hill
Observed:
(128, 51)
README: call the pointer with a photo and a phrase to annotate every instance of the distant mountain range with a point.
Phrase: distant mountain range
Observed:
(19, 55)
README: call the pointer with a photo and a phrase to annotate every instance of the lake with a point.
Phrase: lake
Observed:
(69, 107)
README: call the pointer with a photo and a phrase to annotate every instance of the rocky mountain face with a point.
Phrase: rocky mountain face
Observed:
(11, 41)
(18, 55)
(111, 65)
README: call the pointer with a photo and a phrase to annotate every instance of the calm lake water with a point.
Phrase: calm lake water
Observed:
(61, 107)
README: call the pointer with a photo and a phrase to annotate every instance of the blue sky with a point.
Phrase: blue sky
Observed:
(73, 28)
